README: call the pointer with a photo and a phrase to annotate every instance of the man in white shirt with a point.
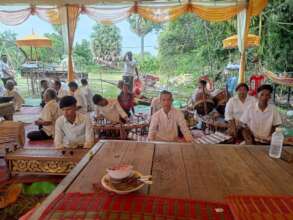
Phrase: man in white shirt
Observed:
(60, 91)
(86, 91)
(129, 70)
(109, 109)
(155, 105)
(165, 122)
(260, 118)
(236, 106)
(73, 129)
(81, 101)
(47, 119)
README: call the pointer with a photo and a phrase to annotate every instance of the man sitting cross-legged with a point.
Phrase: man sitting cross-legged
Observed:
(47, 119)
(73, 129)
(165, 122)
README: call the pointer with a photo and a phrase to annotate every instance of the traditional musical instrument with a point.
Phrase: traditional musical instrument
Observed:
(12, 134)
(221, 98)
(43, 160)
(189, 117)
(7, 110)
(215, 138)
(203, 104)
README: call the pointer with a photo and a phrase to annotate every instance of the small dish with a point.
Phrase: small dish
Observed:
(125, 186)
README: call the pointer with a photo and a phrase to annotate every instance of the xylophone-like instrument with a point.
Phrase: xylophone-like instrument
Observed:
(215, 138)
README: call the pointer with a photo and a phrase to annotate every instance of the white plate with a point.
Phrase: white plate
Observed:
(120, 192)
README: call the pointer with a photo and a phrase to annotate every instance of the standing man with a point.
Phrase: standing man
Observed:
(130, 70)
(165, 122)
(73, 129)
(5, 71)
(261, 118)
(236, 106)
(81, 101)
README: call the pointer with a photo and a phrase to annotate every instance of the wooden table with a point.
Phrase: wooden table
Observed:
(204, 172)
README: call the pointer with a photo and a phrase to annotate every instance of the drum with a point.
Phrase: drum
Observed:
(221, 98)
(203, 104)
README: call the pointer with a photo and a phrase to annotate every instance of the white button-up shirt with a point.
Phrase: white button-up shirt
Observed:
(4, 68)
(261, 122)
(112, 111)
(50, 112)
(235, 107)
(80, 101)
(86, 91)
(164, 127)
(80, 133)
(61, 93)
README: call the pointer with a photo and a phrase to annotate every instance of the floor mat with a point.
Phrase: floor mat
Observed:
(27, 115)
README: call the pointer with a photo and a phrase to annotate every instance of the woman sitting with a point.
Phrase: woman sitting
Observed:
(48, 117)
(126, 99)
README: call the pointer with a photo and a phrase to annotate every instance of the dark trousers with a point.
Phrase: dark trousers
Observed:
(38, 135)
(129, 81)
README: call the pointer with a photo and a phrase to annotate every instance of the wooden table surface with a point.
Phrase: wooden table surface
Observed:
(202, 172)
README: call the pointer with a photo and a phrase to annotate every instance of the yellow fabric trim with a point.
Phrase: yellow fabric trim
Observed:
(257, 6)
(161, 14)
(216, 14)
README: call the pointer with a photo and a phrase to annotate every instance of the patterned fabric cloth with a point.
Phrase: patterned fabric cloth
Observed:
(261, 207)
(105, 206)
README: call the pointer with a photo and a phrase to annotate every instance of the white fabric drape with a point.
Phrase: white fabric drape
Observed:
(241, 23)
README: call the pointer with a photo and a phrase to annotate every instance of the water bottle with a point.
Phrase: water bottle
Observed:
(276, 144)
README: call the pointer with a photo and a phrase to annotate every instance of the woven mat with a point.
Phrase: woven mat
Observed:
(104, 206)
(261, 207)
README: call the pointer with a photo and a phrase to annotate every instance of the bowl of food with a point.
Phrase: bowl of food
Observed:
(120, 172)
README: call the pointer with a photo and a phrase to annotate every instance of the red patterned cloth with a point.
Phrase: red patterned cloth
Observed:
(261, 207)
(104, 206)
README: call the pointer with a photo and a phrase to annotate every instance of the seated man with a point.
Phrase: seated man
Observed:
(261, 118)
(236, 106)
(109, 109)
(73, 129)
(11, 92)
(47, 119)
(165, 122)
(202, 88)
(81, 102)
(59, 90)
(87, 92)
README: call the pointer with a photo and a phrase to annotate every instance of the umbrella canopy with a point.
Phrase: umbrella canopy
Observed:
(231, 42)
(34, 40)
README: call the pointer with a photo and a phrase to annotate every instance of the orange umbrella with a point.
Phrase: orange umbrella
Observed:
(231, 42)
(34, 40)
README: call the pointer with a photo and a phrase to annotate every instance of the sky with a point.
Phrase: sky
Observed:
(130, 41)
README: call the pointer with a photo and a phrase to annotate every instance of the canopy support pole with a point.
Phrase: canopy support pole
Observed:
(241, 78)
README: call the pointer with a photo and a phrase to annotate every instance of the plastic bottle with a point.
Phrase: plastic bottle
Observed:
(276, 143)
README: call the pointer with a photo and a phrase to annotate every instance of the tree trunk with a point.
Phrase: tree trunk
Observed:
(142, 46)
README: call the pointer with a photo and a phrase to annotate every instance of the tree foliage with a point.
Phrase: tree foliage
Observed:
(106, 44)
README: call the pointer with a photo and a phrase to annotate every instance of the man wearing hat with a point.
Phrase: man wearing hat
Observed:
(260, 118)
(109, 109)
(73, 129)
(236, 106)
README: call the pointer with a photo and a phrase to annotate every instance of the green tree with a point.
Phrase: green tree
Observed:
(83, 50)
(141, 27)
(106, 44)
